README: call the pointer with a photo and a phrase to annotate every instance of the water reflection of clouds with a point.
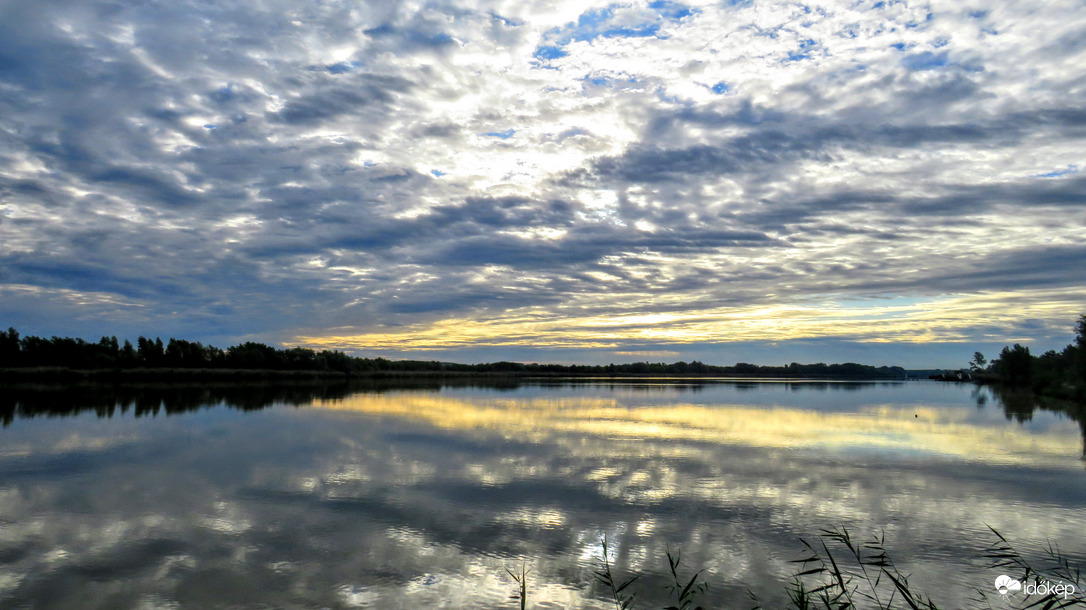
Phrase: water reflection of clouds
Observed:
(918, 430)
(733, 461)
(410, 500)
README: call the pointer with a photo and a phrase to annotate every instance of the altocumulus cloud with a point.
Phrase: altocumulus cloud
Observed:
(550, 180)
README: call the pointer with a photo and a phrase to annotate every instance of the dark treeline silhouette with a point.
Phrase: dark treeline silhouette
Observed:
(110, 354)
(1053, 373)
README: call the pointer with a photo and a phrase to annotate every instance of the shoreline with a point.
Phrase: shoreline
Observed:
(70, 375)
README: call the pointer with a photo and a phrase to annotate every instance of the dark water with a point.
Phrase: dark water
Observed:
(313, 497)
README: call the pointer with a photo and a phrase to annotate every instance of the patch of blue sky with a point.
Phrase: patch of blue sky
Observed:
(223, 94)
(342, 67)
(720, 88)
(738, 3)
(979, 14)
(641, 31)
(593, 24)
(431, 40)
(672, 10)
(600, 80)
(438, 173)
(504, 135)
(381, 30)
(549, 52)
(928, 60)
(599, 23)
(590, 20)
(210, 127)
(874, 307)
(804, 52)
(915, 24)
(1070, 169)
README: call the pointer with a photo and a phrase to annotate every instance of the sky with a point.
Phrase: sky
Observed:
(893, 183)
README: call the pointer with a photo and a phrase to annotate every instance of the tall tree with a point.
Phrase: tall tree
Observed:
(1015, 365)
(128, 354)
(1080, 344)
(9, 347)
(978, 362)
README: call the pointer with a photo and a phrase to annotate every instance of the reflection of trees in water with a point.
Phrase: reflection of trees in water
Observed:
(142, 400)
(1019, 405)
(106, 400)
(980, 395)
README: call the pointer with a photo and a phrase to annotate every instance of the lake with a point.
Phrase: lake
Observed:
(427, 496)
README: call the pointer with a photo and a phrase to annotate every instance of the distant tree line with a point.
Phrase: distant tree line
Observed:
(1060, 373)
(110, 353)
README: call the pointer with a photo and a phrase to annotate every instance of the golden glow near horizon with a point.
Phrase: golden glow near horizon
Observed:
(913, 321)
(922, 429)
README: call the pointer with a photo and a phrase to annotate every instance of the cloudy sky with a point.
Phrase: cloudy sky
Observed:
(885, 182)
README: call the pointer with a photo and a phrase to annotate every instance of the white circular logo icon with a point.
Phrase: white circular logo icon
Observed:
(1005, 584)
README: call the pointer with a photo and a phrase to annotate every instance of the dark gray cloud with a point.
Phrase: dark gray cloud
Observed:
(330, 100)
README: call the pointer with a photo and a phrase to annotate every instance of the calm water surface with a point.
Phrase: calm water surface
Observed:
(417, 498)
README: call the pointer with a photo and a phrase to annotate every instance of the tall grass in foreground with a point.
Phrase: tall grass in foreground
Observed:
(861, 572)
(521, 579)
(1056, 567)
(618, 590)
(839, 572)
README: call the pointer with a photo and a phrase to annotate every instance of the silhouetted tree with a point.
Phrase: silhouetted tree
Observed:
(250, 355)
(978, 362)
(151, 353)
(745, 368)
(1015, 365)
(128, 357)
(9, 348)
(1079, 357)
